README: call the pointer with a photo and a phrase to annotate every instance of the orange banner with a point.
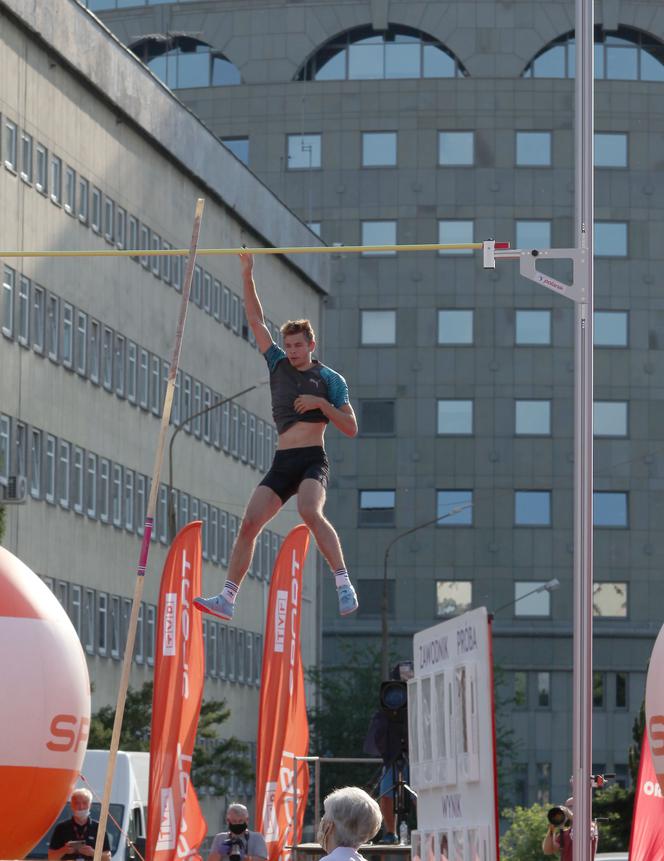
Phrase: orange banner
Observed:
(283, 730)
(647, 838)
(176, 826)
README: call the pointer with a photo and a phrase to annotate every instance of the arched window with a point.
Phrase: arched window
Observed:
(184, 61)
(367, 54)
(625, 54)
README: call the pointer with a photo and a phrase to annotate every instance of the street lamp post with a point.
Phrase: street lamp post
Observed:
(549, 586)
(186, 420)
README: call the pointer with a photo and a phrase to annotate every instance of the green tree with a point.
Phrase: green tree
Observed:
(507, 745)
(215, 759)
(613, 808)
(523, 839)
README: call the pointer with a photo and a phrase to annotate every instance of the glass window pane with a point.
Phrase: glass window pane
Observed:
(598, 694)
(533, 234)
(377, 498)
(453, 232)
(610, 239)
(520, 689)
(379, 149)
(550, 64)
(532, 418)
(610, 600)
(304, 151)
(610, 418)
(379, 233)
(456, 148)
(437, 63)
(366, 62)
(224, 73)
(610, 150)
(193, 69)
(455, 417)
(378, 327)
(454, 507)
(239, 147)
(610, 328)
(652, 68)
(621, 691)
(544, 689)
(453, 597)
(621, 63)
(533, 327)
(610, 509)
(533, 149)
(455, 327)
(331, 68)
(377, 507)
(402, 60)
(532, 508)
(536, 604)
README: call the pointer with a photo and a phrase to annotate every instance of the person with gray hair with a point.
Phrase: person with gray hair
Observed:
(351, 818)
(238, 842)
(75, 838)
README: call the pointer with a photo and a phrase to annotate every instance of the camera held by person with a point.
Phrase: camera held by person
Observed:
(560, 835)
(238, 843)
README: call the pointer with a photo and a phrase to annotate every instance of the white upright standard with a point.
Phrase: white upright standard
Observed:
(452, 741)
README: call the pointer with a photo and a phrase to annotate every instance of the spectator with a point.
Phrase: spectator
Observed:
(250, 844)
(351, 818)
(561, 839)
(75, 838)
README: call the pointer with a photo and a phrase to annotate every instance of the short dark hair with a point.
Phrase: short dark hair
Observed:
(294, 327)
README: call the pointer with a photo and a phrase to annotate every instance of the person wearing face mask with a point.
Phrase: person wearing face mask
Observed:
(75, 838)
(351, 818)
(238, 840)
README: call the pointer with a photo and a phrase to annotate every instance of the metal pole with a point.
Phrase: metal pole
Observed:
(583, 436)
(316, 793)
(149, 521)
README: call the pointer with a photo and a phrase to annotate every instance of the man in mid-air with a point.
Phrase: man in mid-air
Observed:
(306, 396)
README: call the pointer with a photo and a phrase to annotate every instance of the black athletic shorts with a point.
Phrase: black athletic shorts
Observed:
(292, 465)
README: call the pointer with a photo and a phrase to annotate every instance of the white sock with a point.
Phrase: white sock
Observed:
(230, 590)
(341, 578)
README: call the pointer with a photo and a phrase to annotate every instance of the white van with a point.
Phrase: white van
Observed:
(128, 807)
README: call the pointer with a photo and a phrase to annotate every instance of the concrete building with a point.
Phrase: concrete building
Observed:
(424, 121)
(98, 154)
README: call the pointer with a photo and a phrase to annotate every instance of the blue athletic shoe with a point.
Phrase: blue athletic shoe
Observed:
(217, 606)
(347, 600)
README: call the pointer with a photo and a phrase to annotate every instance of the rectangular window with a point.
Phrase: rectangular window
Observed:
(235, 314)
(378, 233)
(453, 597)
(260, 444)
(532, 418)
(454, 507)
(23, 328)
(610, 509)
(186, 402)
(379, 149)
(21, 442)
(611, 329)
(114, 627)
(610, 600)
(532, 328)
(150, 628)
(26, 157)
(455, 327)
(10, 145)
(162, 514)
(533, 149)
(304, 151)
(610, 239)
(78, 479)
(223, 538)
(56, 179)
(129, 500)
(50, 470)
(155, 385)
(532, 508)
(91, 485)
(520, 689)
(70, 190)
(239, 147)
(132, 234)
(456, 149)
(41, 168)
(95, 210)
(610, 418)
(207, 403)
(52, 327)
(141, 503)
(610, 149)
(205, 537)
(8, 286)
(378, 327)
(198, 393)
(119, 365)
(531, 598)
(120, 226)
(235, 428)
(143, 377)
(166, 263)
(102, 623)
(176, 269)
(109, 219)
(533, 234)
(38, 318)
(116, 495)
(243, 435)
(377, 418)
(176, 411)
(455, 417)
(216, 300)
(5, 449)
(155, 262)
(139, 643)
(107, 359)
(104, 490)
(251, 454)
(459, 232)
(35, 463)
(621, 690)
(83, 199)
(377, 507)
(88, 633)
(207, 292)
(543, 795)
(132, 371)
(67, 335)
(81, 339)
(93, 351)
(226, 306)
(63, 473)
(197, 288)
(598, 690)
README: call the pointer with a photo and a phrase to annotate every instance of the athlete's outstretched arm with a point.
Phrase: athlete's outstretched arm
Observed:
(252, 305)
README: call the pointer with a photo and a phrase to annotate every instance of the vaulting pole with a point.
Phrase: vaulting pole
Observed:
(147, 532)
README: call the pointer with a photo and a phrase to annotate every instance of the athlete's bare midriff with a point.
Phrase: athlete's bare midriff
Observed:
(301, 435)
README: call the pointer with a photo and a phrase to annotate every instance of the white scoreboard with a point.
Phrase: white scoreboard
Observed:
(452, 741)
